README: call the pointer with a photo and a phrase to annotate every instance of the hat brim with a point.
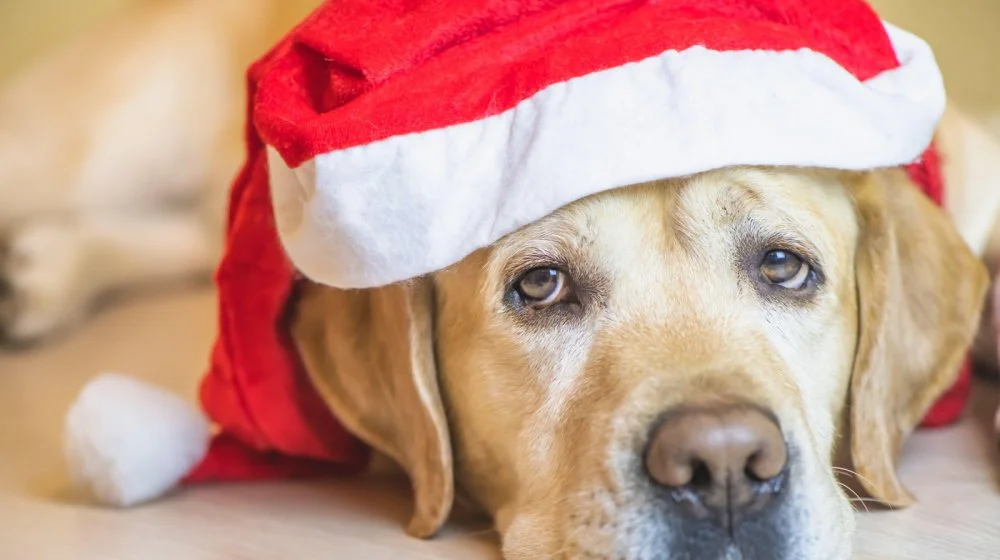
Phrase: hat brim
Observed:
(412, 204)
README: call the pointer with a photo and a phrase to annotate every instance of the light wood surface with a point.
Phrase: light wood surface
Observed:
(166, 339)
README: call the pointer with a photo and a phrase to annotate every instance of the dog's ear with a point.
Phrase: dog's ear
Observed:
(370, 354)
(920, 293)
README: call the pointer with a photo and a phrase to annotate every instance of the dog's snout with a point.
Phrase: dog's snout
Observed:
(722, 460)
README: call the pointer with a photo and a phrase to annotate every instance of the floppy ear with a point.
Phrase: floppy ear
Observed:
(371, 356)
(920, 293)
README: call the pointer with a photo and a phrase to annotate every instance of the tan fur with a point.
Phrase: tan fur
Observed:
(971, 164)
(116, 152)
(547, 414)
(920, 291)
(371, 356)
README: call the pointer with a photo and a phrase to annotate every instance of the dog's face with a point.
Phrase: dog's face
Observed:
(663, 371)
(711, 304)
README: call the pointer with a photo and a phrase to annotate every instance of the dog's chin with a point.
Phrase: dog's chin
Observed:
(599, 525)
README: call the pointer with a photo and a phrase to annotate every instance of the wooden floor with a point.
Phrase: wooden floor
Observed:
(166, 339)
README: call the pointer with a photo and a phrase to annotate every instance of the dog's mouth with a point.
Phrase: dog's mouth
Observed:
(739, 535)
(773, 533)
(756, 526)
(729, 511)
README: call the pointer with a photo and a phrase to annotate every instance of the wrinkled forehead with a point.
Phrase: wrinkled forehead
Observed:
(667, 227)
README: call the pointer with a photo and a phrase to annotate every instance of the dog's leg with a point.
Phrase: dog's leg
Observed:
(53, 269)
(127, 116)
(107, 147)
(130, 114)
(972, 172)
(993, 249)
(972, 168)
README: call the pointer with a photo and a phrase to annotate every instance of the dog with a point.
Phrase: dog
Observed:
(614, 380)
(772, 324)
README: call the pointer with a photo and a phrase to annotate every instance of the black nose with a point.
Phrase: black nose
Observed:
(722, 462)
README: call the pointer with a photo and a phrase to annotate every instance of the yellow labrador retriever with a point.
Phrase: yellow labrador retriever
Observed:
(663, 366)
(643, 374)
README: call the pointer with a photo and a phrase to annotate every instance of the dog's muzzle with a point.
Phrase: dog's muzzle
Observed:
(721, 470)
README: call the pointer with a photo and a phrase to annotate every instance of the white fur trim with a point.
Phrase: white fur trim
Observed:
(416, 203)
(128, 442)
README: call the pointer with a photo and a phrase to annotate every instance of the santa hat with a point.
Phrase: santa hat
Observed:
(390, 139)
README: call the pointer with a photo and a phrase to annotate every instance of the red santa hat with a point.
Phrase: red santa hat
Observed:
(390, 139)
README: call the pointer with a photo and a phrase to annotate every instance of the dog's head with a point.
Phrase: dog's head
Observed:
(666, 370)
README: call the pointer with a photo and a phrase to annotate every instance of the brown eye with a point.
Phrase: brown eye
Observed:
(784, 269)
(541, 287)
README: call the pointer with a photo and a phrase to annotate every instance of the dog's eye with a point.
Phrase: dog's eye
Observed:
(785, 269)
(541, 287)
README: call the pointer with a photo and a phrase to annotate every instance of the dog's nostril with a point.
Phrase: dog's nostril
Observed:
(767, 463)
(724, 456)
(701, 476)
(751, 472)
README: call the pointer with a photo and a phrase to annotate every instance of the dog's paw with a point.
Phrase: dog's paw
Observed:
(43, 287)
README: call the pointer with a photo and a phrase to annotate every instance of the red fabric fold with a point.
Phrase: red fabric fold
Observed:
(256, 390)
(359, 71)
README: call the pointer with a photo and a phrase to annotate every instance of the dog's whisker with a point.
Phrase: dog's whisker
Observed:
(856, 499)
(855, 474)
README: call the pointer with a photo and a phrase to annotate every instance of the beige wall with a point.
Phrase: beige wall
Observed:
(965, 35)
(28, 27)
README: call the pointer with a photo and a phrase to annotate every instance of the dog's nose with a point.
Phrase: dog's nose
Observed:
(722, 460)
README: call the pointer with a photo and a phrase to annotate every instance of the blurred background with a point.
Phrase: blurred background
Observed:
(965, 34)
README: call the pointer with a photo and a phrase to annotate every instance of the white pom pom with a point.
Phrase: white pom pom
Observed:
(128, 442)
